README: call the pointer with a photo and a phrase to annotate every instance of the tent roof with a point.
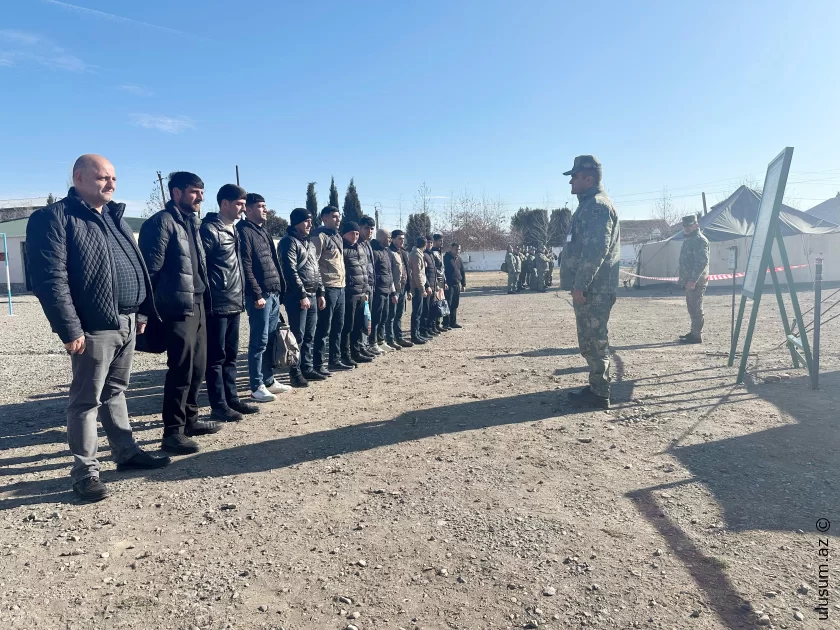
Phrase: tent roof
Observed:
(735, 216)
(828, 210)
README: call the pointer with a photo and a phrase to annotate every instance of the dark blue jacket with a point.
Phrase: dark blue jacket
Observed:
(72, 269)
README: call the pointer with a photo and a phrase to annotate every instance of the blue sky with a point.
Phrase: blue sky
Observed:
(495, 97)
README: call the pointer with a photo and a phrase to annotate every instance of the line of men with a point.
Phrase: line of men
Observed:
(182, 288)
(529, 266)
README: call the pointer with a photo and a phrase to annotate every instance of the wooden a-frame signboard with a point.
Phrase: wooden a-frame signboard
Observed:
(767, 231)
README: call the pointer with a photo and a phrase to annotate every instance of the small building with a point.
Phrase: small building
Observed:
(15, 231)
(634, 234)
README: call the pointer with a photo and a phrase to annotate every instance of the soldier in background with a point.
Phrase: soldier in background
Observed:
(550, 273)
(589, 269)
(540, 267)
(694, 275)
(512, 268)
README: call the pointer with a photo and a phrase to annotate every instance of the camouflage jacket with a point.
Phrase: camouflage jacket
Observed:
(512, 262)
(590, 261)
(694, 258)
(541, 262)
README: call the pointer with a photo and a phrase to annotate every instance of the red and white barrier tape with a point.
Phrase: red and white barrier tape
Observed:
(715, 276)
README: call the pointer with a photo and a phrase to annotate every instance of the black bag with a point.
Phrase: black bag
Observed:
(153, 339)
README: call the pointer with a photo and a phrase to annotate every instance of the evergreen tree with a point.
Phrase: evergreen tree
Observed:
(333, 194)
(559, 226)
(419, 224)
(50, 199)
(275, 226)
(312, 205)
(352, 210)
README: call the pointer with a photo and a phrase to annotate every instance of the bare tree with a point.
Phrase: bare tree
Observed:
(154, 203)
(665, 210)
(423, 200)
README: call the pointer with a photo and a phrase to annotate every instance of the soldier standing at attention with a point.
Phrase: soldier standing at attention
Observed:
(511, 265)
(694, 275)
(540, 267)
(589, 269)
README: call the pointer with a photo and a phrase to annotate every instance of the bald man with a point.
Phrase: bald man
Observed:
(90, 278)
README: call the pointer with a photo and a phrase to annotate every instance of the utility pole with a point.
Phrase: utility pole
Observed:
(376, 207)
(237, 174)
(162, 192)
(705, 209)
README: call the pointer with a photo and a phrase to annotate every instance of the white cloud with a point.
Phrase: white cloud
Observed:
(163, 123)
(18, 47)
(137, 90)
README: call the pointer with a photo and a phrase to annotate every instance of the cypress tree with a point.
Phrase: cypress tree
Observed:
(352, 210)
(312, 204)
(333, 193)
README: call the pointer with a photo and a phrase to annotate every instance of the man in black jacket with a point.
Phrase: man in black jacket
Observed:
(456, 281)
(440, 278)
(95, 291)
(226, 290)
(384, 293)
(430, 315)
(403, 289)
(366, 227)
(264, 290)
(173, 252)
(303, 288)
(355, 295)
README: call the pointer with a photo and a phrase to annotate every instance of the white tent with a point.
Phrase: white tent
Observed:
(730, 224)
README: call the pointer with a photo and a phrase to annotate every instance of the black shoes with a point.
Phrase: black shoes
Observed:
(358, 357)
(346, 360)
(418, 341)
(314, 376)
(225, 414)
(298, 380)
(143, 461)
(179, 444)
(202, 427)
(403, 343)
(365, 352)
(90, 490)
(241, 407)
(323, 371)
(456, 326)
(339, 366)
(691, 338)
(587, 397)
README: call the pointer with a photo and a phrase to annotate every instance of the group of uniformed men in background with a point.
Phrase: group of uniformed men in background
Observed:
(529, 266)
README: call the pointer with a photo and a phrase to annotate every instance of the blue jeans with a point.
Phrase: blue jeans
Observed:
(302, 322)
(263, 323)
(329, 327)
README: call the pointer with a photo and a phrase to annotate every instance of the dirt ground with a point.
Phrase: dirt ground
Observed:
(446, 486)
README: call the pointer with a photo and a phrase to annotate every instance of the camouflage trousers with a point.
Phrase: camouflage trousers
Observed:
(694, 302)
(513, 279)
(593, 339)
(539, 280)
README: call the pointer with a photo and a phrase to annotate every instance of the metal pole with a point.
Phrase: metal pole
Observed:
(237, 174)
(8, 279)
(376, 213)
(162, 192)
(815, 368)
(705, 209)
(734, 290)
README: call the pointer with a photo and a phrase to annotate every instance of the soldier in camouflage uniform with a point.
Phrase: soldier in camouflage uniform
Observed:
(512, 268)
(589, 269)
(540, 267)
(694, 275)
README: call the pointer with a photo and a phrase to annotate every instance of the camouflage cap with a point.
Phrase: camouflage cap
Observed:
(689, 220)
(584, 162)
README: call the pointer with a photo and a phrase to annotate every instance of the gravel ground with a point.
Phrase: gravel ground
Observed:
(448, 486)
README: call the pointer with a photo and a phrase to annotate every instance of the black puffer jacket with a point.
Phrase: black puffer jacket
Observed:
(300, 266)
(437, 256)
(382, 268)
(164, 241)
(260, 263)
(355, 270)
(226, 283)
(431, 275)
(72, 270)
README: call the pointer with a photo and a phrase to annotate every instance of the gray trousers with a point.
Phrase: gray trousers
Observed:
(100, 378)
